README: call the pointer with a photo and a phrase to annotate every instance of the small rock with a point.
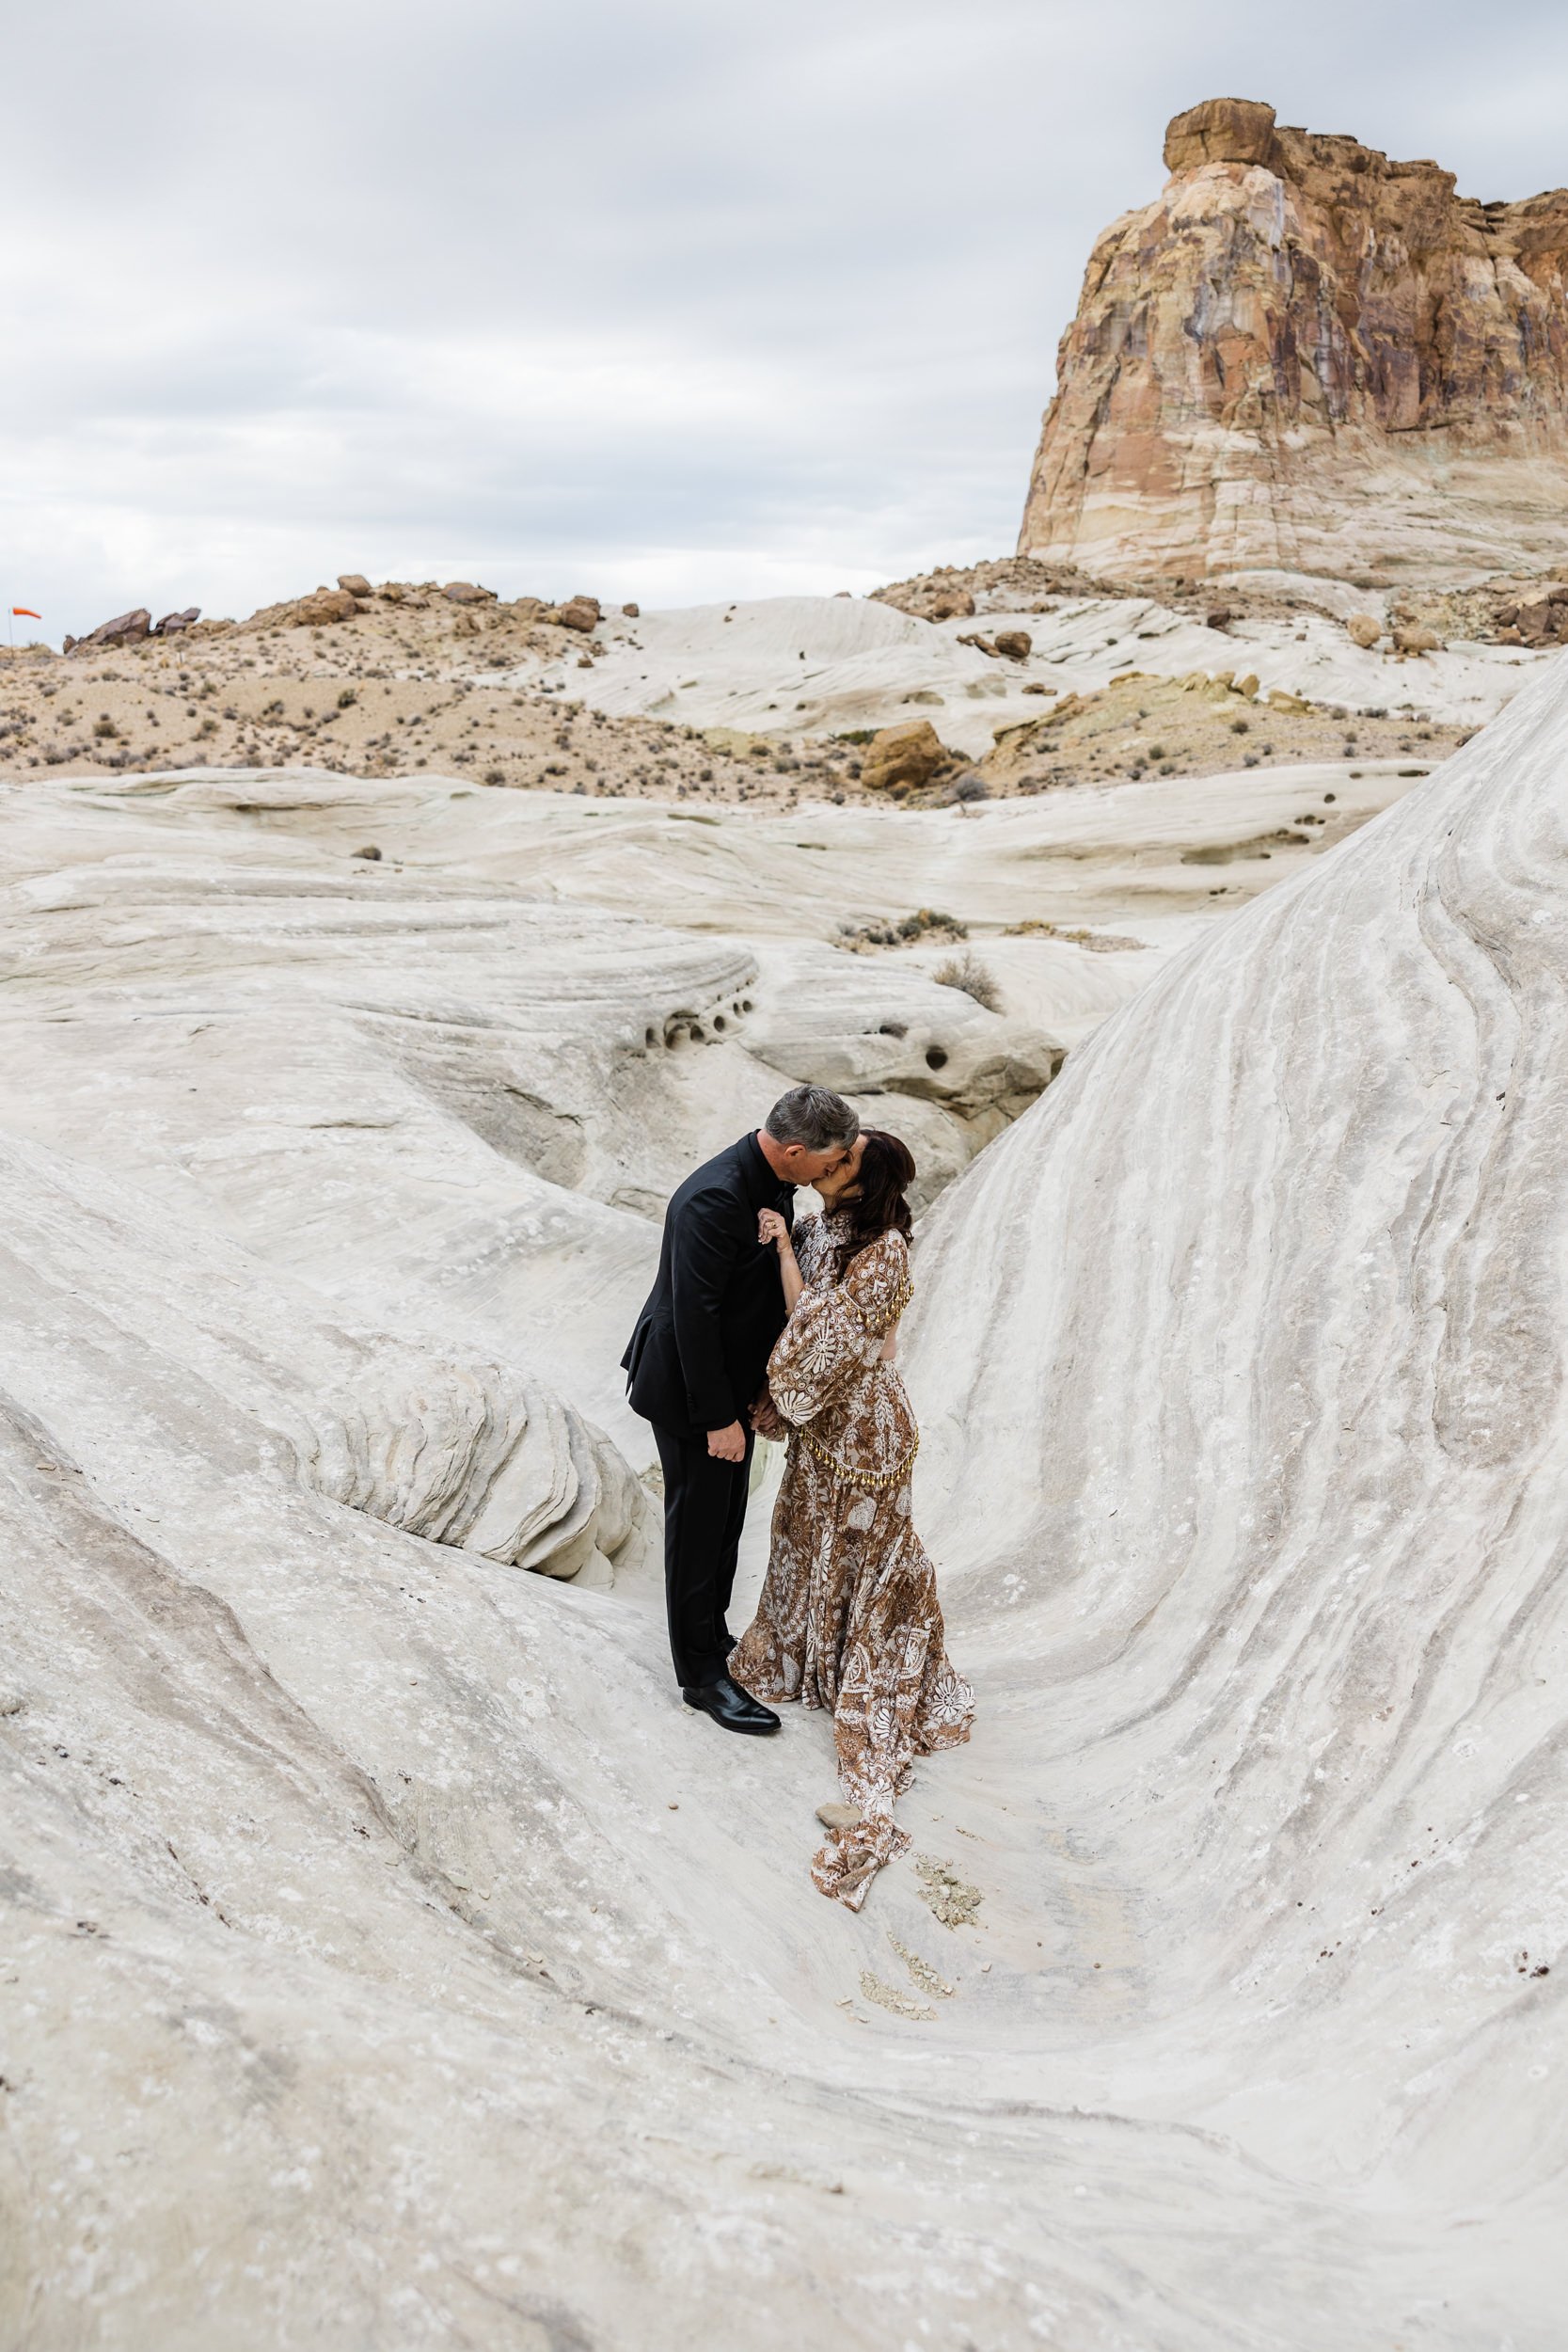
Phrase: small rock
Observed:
(1416, 641)
(466, 592)
(355, 583)
(946, 1894)
(839, 1816)
(632, 612)
(1016, 644)
(1218, 616)
(1363, 630)
(580, 613)
(368, 851)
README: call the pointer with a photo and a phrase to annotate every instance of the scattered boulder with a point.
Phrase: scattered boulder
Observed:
(1363, 630)
(935, 596)
(1540, 619)
(631, 612)
(1218, 616)
(1014, 645)
(467, 592)
(899, 758)
(355, 583)
(313, 612)
(391, 592)
(172, 623)
(326, 604)
(581, 612)
(1411, 640)
(126, 628)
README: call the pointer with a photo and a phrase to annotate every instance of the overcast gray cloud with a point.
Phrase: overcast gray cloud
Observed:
(661, 297)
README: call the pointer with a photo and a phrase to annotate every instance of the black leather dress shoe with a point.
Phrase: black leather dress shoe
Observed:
(732, 1708)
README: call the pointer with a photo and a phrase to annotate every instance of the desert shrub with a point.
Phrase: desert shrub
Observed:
(975, 978)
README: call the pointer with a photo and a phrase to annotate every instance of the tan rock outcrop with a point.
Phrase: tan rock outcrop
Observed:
(900, 757)
(1305, 355)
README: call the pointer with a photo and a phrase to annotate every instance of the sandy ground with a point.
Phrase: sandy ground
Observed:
(768, 703)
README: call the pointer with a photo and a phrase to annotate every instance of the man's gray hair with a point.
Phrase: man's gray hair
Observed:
(814, 1117)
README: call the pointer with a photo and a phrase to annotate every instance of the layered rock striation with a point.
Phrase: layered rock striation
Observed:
(392, 1961)
(1305, 355)
(1248, 1348)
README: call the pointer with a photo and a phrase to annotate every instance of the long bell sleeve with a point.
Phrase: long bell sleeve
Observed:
(833, 1335)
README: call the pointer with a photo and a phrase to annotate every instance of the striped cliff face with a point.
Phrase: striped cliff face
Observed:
(1306, 354)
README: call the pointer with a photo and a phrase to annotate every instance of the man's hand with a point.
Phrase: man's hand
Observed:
(767, 1420)
(727, 1445)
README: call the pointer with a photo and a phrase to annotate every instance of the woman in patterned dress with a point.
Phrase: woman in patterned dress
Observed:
(848, 1617)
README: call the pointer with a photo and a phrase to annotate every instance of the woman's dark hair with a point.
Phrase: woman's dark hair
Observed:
(876, 1204)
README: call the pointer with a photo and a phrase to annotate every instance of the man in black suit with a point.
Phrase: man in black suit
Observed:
(697, 1366)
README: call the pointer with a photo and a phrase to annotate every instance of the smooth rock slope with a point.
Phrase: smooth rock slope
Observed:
(389, 1961)
(1273, 1473)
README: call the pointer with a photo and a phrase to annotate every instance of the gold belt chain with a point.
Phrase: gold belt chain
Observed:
(873, 1480)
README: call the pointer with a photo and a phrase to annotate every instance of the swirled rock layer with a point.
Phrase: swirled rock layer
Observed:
(1251, 1342)
(1306, 354)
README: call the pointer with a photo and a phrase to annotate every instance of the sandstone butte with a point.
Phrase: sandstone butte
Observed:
(1305, 355)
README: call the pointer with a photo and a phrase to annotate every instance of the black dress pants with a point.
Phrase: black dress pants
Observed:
(705, 1509)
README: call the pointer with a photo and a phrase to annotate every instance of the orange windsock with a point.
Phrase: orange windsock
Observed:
(26, 613)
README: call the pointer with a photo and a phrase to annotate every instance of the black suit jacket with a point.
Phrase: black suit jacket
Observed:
(699, 1354)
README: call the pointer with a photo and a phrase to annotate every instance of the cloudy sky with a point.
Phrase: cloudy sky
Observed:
(664, 298)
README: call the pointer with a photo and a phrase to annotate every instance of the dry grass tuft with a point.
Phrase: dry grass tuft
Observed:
(975, 978)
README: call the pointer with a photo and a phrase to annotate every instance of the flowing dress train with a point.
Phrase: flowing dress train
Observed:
(848, 1617)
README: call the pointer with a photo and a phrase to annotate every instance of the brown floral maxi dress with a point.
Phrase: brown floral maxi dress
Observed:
(848, 1617)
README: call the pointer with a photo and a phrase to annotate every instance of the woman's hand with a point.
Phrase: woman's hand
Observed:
(771, 1227)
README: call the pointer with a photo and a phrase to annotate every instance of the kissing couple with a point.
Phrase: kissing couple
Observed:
(758, 1326)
